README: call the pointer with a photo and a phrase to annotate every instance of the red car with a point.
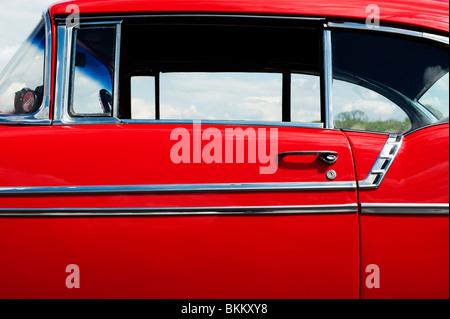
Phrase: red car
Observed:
(227, 149)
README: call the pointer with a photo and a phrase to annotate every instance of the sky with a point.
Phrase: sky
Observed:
(18, 18)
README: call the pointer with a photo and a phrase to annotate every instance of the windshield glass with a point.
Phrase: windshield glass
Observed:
(22, 81)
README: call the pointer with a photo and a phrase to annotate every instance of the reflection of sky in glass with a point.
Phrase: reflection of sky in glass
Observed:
(438, 96)
(221, 96)
(26, 70)
(305, 98)
(143, 98)
(348, 97)
(88, 81)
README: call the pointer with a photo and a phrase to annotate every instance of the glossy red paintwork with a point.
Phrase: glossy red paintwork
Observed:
(182, 257)
(411, 251)
(175, 257)
(420, 13)
(276, 256)
(420, 167)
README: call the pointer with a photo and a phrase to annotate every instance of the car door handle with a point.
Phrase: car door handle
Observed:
(328, 157)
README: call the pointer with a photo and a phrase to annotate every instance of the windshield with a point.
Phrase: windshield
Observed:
(22, 81)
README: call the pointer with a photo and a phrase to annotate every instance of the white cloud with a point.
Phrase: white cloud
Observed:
(18, 18)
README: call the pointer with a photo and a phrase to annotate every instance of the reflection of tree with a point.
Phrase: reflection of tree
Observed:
(435, 112)
(358, 120)
(354, 116)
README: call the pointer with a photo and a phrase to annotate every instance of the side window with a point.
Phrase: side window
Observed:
(358, 108)
(221, 96)
(381, 81)
(93, 72)
(436, 99)
(223, 73)
(22, 81)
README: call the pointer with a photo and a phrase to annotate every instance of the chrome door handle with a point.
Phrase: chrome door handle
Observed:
(328, 157)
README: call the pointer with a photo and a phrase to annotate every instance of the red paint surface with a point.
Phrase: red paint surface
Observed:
(181, 257)
(412, 253)
(296, 256)
(421, 13)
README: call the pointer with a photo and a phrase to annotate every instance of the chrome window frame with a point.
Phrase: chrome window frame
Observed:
(65, 73)
(42, 115)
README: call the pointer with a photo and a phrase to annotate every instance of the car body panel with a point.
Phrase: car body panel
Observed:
(424, 14)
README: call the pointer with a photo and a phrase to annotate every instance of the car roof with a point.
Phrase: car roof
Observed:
(422, 14)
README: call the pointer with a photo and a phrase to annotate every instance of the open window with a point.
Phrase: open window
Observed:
(221, 69)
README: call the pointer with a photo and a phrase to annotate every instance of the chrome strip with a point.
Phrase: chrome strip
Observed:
(231, 123)
(383, 163)
(42, 116)
(411, 33)
(183, 211)
(409, 209)
(328, 75)
(173, 188)
(193, 15)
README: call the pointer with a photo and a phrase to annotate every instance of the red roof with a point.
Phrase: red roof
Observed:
(428, 14)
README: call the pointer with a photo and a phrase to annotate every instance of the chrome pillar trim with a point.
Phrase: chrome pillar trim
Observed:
(183, 211)
(182, 188)
(41, 116)
(404, 209)
(383, 163)
(411, 33)
(328, 76)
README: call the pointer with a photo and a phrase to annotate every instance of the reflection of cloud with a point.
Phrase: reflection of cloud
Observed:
(221, 96)
(437, 96)
(142, 109)
(349, 97)
(430, 74)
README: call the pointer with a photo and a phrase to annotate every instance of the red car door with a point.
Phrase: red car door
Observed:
(167, 208)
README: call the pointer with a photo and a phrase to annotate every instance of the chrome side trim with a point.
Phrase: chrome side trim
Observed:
(404, 209)
(42, 116)
(411, 33)
(231, 123)
(182, 188)
(383, 163)
(182, 211)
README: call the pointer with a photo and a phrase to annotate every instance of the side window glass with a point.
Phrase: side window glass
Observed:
(358, 108)
(223, 73)
(436, 99)
(305, 98)
(93, 72)
(381, 80)
(221, 96)
(22, 81)
(143, 99)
